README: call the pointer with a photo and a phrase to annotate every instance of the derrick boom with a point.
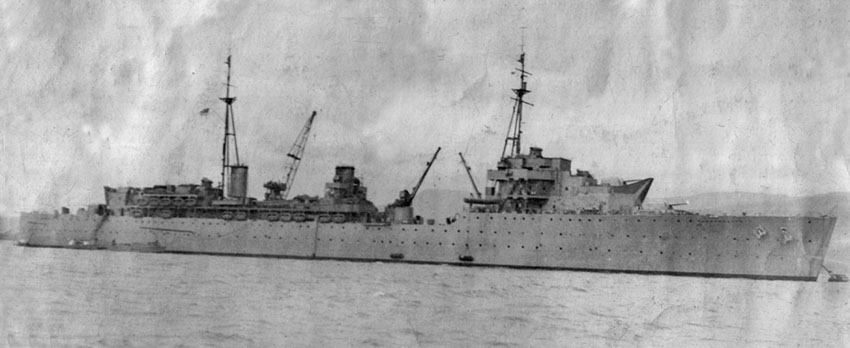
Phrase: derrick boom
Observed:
(280, 190)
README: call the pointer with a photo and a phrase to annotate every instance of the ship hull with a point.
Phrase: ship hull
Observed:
(789, 248)
(59, 231)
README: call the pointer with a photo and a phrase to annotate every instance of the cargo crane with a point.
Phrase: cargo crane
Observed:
(405, 198)
(465, 166)
(277, 190)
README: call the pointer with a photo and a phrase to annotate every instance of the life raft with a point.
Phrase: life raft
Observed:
(227, 215)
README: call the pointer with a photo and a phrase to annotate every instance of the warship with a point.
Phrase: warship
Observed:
(535, 212)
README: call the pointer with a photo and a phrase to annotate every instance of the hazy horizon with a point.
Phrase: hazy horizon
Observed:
(715, 96)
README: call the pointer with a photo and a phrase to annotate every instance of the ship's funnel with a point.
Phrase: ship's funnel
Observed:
(238, 185)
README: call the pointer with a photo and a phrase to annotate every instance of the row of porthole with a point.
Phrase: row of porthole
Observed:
(626, 220)
(375, 241)
(494, 232)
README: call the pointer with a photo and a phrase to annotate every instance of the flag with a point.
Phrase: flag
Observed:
(205, 111)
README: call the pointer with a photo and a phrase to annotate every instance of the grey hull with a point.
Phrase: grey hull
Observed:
(790, 248)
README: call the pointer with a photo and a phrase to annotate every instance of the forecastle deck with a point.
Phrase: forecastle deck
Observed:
(726, 246)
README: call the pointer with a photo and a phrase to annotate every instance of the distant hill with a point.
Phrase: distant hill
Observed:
(439, 204)
(734, 203)
(8, 227)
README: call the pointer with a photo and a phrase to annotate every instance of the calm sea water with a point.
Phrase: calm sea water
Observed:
(78, 298)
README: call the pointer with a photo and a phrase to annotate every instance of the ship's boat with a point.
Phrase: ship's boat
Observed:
(536, 212)
(344, 200)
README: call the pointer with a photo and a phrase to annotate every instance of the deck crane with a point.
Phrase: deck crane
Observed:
(405, 198)
(465, 166)
(277, 190)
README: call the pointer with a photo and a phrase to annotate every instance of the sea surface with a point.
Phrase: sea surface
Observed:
(82, 298)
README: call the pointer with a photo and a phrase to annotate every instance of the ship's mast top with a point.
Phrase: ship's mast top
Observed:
(229, 130)
(514, 135)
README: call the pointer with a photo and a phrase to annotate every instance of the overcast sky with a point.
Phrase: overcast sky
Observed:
(703, 96)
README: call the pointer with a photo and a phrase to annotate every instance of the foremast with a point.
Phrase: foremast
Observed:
(513, 138)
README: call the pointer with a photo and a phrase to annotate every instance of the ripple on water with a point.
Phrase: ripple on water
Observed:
(53, 297)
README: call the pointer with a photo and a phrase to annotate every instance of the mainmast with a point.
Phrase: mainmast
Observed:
(515, 127)
(229, 131)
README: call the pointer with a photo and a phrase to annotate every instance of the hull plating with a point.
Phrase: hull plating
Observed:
(752, 247)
